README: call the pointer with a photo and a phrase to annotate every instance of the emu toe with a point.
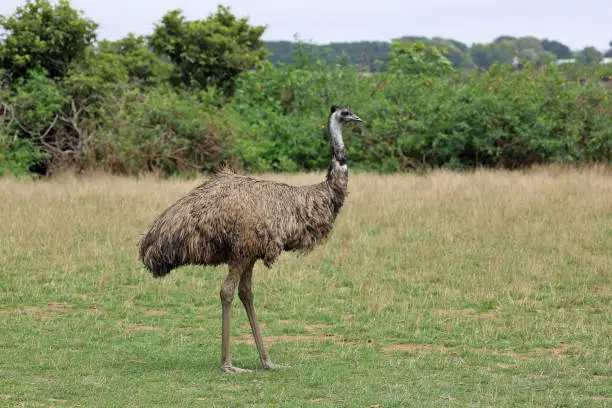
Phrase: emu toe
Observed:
(235, 370)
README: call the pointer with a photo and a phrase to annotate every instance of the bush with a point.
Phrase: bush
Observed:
(164, 130)
(280, 114)
(455, 119)
(115, 108)
(17, 156)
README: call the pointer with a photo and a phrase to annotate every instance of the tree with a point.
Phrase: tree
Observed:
(484, 55)
(503, 38)
(589, 56)
(417, 58)
(211, 52)
(529, 43)
(41, 34)
(562, 51)
(544, 58)
(143, 66)
(455, 51)
(608, 53)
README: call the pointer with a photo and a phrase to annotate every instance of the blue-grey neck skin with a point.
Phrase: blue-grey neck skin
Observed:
(337, 174)
(334, 127)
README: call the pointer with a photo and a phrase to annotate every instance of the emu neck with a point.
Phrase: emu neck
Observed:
(337, 143)
(337, 174)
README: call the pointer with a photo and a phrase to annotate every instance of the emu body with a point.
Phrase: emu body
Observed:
(232, 217)
(237, 220)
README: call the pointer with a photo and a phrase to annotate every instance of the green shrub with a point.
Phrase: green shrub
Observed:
(18, 156)
(455, 119)
(35, 102)
(116, 109)
(164, 130)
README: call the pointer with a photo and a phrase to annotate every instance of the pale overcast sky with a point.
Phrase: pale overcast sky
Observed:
(575, 23)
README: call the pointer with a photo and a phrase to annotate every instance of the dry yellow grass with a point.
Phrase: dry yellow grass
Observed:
(402, 225)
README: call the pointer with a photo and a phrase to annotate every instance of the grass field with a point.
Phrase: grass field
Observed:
(478, 289)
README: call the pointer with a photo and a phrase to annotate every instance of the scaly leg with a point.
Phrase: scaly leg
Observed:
(227, 295)
(246, 296)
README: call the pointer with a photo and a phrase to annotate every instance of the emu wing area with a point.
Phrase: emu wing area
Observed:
(237, 217)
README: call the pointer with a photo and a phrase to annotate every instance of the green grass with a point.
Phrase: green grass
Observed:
(481, 289)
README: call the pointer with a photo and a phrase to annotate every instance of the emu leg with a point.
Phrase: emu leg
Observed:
(246, 296)
(227, 295)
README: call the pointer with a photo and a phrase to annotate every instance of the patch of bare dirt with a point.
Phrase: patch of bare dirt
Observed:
(355, 343)
(156, 312)
(513, 355)
(502, 365)
(559, 352)
(489, 316)
(145, 328)
(315, 327)
(47, 313)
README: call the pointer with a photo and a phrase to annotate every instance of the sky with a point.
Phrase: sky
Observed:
(574, 23)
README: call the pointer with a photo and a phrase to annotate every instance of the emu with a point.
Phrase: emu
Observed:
(235, 220)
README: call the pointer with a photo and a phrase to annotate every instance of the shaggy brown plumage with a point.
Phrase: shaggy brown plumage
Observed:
(237, 220)
(232, 217)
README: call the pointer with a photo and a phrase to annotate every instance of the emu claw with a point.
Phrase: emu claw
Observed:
(235, 370)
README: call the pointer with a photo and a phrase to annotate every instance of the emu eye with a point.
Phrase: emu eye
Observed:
(344, 113)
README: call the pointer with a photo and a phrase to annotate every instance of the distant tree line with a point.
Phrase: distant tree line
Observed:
(373, 55)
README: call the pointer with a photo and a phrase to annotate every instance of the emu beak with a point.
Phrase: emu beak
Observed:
(355, 118)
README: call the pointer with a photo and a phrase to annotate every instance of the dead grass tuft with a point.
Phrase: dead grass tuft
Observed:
(156, 312)
(282, 338)
(419, 349)
(52, 310)
(132, 327)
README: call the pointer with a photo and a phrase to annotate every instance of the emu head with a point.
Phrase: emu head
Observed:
(343, 115)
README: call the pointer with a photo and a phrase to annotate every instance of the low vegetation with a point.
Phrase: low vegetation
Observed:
(194, 93)
(487, 288)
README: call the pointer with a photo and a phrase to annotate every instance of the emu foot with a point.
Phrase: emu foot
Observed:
(234, 370)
